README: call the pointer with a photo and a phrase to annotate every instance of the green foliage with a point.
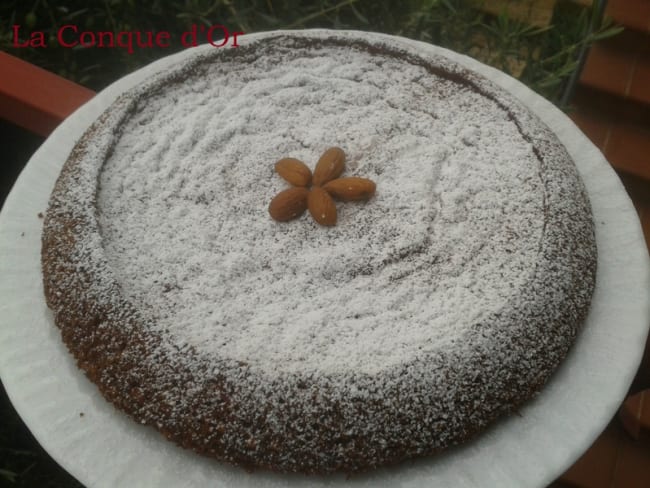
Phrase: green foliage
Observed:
(543, 58)
(560, 46)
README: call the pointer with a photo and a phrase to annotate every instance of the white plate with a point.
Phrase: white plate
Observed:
(103, 447)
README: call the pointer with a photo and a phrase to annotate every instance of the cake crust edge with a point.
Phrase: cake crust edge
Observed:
(106, 335)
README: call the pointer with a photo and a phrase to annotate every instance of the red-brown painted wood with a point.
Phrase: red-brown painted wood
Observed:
(34, 98)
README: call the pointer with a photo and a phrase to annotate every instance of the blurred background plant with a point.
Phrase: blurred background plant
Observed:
(542, 56)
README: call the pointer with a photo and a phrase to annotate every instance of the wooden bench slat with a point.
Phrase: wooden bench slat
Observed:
(34, 98)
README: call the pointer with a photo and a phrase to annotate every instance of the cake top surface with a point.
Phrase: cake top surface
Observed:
(451, 235)
(443, 302)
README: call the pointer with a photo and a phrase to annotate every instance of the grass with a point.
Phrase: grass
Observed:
(543, 58)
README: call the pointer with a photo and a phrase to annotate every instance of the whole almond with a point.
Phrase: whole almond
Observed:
(294, 171)
(289, 204)
(321, 206)
(329, 166)
(351, 188)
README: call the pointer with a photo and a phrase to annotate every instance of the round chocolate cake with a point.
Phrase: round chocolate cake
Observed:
(440, 304)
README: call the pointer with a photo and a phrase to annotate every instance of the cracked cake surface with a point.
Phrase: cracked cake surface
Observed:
(427, 312)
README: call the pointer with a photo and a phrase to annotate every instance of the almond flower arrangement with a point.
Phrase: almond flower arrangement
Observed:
(317, 192)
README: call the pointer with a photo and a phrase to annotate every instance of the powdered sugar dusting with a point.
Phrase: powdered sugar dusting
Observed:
(183, 202)
(443, 302)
